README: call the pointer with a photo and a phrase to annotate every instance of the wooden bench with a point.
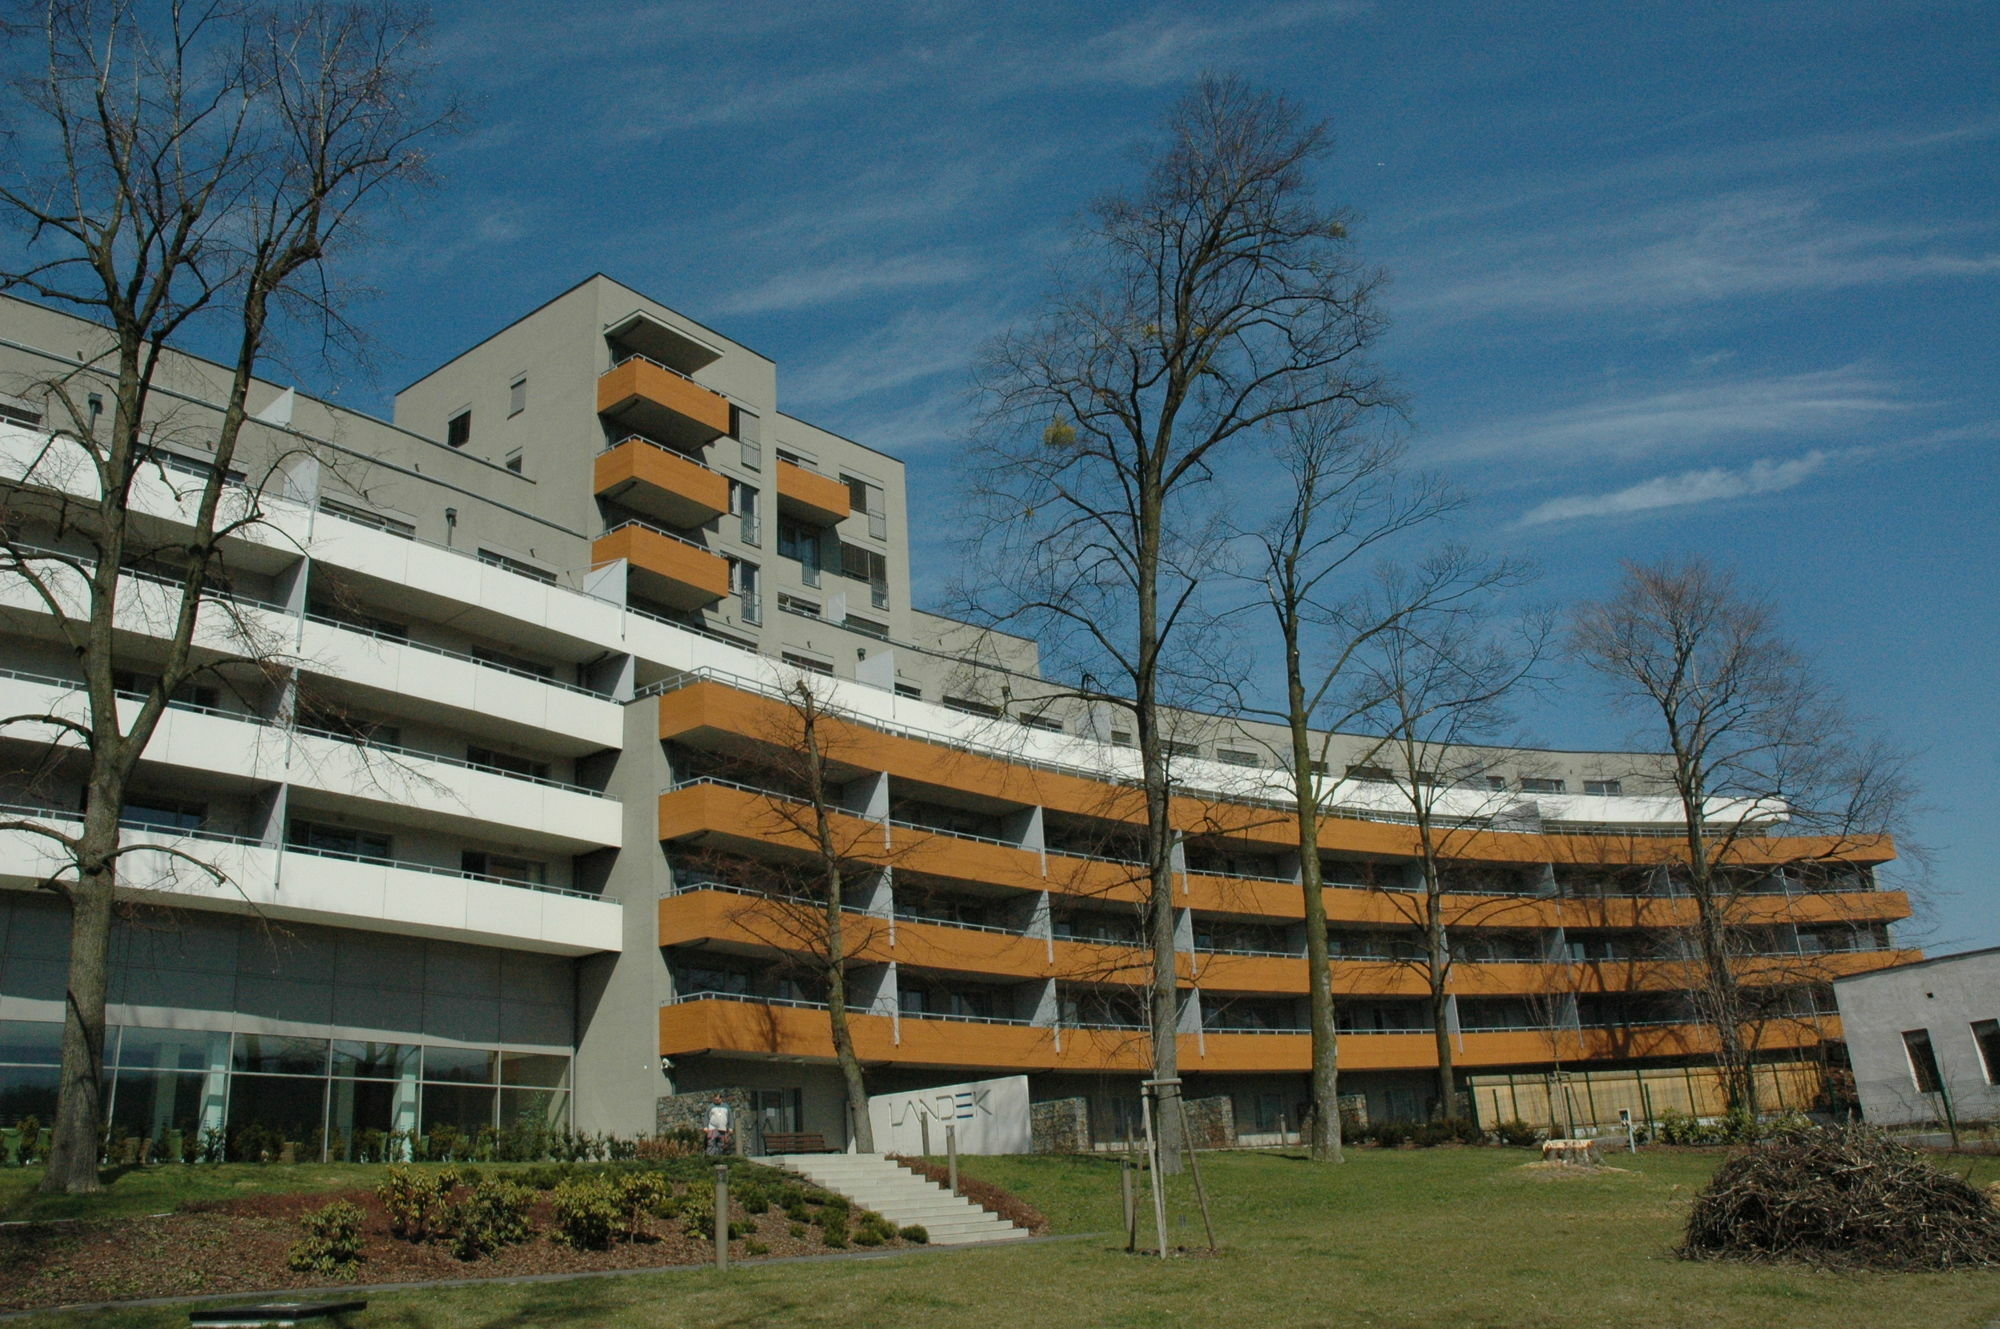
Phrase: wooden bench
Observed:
(794, 1142)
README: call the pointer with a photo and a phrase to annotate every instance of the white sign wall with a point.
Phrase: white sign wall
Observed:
(991, 1117)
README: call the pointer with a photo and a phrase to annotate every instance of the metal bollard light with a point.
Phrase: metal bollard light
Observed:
(722, 1216)
(951, 1149)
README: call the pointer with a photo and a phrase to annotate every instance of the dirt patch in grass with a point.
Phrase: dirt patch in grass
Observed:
(1554, 1171)
(240, 1245)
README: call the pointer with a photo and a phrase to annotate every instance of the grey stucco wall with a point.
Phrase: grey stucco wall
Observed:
(1943, 997)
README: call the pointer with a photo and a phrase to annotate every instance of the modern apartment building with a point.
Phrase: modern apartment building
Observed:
(497, 818)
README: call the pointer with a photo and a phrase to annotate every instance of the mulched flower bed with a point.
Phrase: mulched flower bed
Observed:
(241, 1246)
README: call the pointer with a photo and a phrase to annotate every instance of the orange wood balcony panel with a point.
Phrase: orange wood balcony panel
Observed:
(749, 1028)
(749, 819)
(811, 495)
(692, 575)
(715, 708)
(686, 493)
(637, 380)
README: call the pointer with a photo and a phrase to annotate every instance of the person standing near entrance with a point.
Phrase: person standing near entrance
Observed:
(716, 1133)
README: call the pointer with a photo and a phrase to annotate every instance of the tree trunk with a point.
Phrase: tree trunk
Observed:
(850, 1064)
(1164, 1006)
(79, 1126)
(1325, 1145)
(1437, 950)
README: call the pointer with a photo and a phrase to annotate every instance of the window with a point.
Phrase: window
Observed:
(1374, 774)
(408, 530)
(910, 690)
(806, 662)
(1601, 788)
(344, 841)
(1537, 785)
(867, 498)
(753, 454)
(743, 583)
(799, 541)
(1048, 724)
(167, 814)
(743, 502)
(517, 395)
(1233, 757)
(786, 454)
(1174, 749)
(792, 604)
(19, 411)
(519, 566)
(868, 626)
(507, 763)
(458, 429)
(1123, 738)
(970, 706)
(1923, 1061)
(512, 663)
(504, 867)
(1986, 1033)
(514, 461)
(869, 566)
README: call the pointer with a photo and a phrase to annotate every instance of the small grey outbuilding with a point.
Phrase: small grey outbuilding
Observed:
(1924, 1038)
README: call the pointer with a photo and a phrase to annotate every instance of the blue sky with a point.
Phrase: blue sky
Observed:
(1708, 277)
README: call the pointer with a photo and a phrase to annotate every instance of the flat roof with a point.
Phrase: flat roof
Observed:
(1918, 964)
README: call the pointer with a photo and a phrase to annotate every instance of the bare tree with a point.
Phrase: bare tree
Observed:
(1436, 683)
(1346, 497)
(801, 900)
(1755, 743)
(182, 174)
(1212, 302)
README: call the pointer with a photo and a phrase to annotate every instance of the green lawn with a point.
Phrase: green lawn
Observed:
(1432, 1238)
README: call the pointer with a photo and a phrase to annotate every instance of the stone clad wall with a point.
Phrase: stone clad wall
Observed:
(1212, 1122)
(1060, 1126)
(690, 1112)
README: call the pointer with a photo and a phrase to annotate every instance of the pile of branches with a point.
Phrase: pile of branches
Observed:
(1845, 1196)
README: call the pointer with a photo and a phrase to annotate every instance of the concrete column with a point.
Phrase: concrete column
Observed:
(614, 675)
(867, 797)
(1184, 931)
(1545, 880)
(1191, 1022)
(1048, 1008)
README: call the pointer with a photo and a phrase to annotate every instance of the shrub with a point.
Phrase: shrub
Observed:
(416, 1201)
(1388, 1134)
(868, 1236)
(1842, 1196)
(696, 1212)
(586, 1212)
(833, 1240)
(1445, 1130)
(754, 1198)
(682, 1143)
(1517, 1133)
(755, 1248)
(641, 1194)
(332, 1241)
(789, 1197)
(915, 1232)
(1677, 1127)
(832, 1223)
(796, 1229)
(495, 1214)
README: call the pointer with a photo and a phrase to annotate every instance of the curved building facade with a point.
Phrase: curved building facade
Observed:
(506, 818)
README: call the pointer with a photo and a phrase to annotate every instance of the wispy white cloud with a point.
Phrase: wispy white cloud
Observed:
(1657, 421)
(914, 345)
(1714, 484)
(847, 278)
(1698, 250)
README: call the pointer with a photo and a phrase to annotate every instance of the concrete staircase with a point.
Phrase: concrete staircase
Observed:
(901, 1196)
